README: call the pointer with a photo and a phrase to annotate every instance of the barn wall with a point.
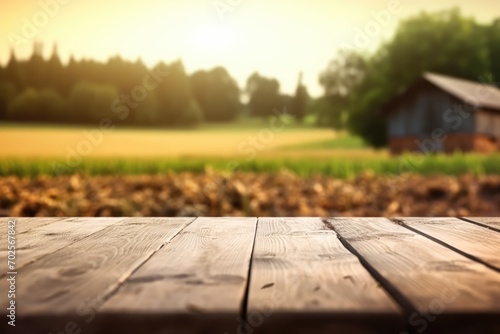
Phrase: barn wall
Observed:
(488, 123)
(453, 142)
(427, 109)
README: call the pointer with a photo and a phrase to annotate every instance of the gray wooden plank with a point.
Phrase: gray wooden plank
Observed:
(304, 280)
(473, 240)
(197, 282)
(452, 292)
(491, 222)
(33, 244)
(72, 282)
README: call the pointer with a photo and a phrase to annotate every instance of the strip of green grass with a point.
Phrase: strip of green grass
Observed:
(340, 168)
(341, 142)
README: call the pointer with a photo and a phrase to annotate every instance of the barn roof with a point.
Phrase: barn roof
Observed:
(481, 94)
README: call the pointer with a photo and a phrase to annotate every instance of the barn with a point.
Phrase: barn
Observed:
(439, 113)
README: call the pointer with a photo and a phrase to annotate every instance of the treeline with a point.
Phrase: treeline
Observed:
(357, 85)
(86, 91)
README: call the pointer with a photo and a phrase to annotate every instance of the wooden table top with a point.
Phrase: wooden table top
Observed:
(251, 275)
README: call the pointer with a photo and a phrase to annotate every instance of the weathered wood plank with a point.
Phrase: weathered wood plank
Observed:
(303, 280)
(33, 244)
(74, 281)
(22, 225)
(490, 222)
(454, 293)
(474, 240)
(25, 224)
(197, 282)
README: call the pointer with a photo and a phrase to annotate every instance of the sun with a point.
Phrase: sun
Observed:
(211, 37)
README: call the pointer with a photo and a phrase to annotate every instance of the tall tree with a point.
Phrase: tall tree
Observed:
(12, 72)
(494, 44)
(36, 68)
(176, 101)
(264, 95)
(339, 80)
(8, 93)
(298, 104)
(55, 72)
(217, 94)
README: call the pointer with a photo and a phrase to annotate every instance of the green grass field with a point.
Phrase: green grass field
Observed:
(341, 168)
(304, 150)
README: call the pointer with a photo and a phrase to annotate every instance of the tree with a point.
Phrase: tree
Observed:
(340, 79)
(55, 72)
(12, 72)
(174, 93)
(70, 76)
(35, 70)
(51, 106)
(191, 116)
(91, 102)
(264, 95)
(147, 111)
(217, 94)
(325, 113)
(343, 74)
(494, 45)
(299, 102)
(25, 106)
(8, 93)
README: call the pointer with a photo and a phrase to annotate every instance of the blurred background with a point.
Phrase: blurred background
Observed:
(250, 108)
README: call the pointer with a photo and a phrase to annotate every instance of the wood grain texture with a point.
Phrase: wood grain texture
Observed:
(22, 225)
(307, 275)
(304, 280)
(492, 222)
(197, 281)
(75, 280)
(471, 239)
(428, 278)
(35, 243)
(29, 223)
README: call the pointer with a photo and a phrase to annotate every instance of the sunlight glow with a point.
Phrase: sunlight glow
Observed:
(211, 37)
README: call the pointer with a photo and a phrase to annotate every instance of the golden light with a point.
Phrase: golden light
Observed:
(210, 37)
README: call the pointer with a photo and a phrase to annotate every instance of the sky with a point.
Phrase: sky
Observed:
(278, 38)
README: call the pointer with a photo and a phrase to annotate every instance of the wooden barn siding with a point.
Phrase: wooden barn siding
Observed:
(424, 111)
(488, 123)
(453, 142)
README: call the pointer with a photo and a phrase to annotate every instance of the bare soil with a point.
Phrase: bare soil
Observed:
(249, 194)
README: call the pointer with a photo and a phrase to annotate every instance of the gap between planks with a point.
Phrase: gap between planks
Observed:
(476, 243)
(492, 224)
(390, 254)
(62, 285)
(197, 283)
(304, 280)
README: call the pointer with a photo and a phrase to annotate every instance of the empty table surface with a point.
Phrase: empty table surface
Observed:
(251, 275)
